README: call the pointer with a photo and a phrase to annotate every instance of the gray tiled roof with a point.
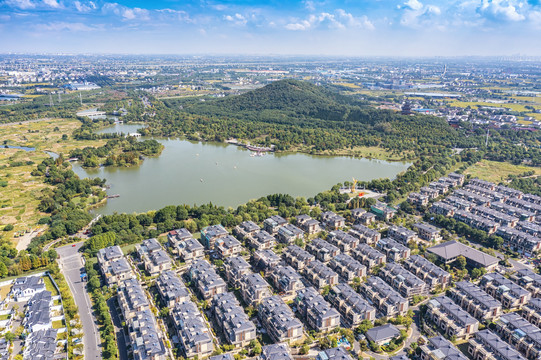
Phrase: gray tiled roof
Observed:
(380, 333)
(453, 311)
(451, 249)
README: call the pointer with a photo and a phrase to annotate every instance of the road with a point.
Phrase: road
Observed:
(71, 263)
(119, 330)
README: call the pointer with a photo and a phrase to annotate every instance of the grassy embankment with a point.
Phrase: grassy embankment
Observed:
(369, 152)
(20, 197)
(496, 172)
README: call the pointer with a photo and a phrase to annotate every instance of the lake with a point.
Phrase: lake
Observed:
(196, 173)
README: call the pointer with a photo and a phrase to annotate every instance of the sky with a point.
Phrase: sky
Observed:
(255, 27)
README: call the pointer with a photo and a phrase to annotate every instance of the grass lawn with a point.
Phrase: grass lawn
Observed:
(4, 317)
(4, 291)
(49, 286)
(495, 171)
(126, 249)
(58, 324)
(370, 152)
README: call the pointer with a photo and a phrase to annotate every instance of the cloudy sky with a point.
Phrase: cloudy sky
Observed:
(309, 27)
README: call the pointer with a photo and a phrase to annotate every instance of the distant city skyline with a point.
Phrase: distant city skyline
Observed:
(326, 27)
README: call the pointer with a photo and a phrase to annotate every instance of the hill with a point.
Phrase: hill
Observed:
(293, 113)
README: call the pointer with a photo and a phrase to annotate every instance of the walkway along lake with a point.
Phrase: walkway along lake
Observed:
(197, 173)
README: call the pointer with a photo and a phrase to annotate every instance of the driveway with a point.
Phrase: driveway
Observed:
(71, 263)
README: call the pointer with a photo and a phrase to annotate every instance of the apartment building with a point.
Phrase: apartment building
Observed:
(394, 250)
(451, 318)
(402, 235)
(235, 268)
(441, 208)
(287, 280)
(232, 320)
(347, 267)
(193, 333)
(227, 246)
(154, 257)
(279, 321)
(288, 233)
(529, 281)
(388, 301)
(476, 221)
(432, 274)
(368, 256)
(344, 241)
(353, 308)
(520, 241)
(297, 257)
(265, 260)
(521, 334)
(428, 232)
(320, 275)
(494, 215)
(171, 289)
(254, 289)
(206, 280)
(488, 346)
(475, 301)
(365, 234)
(322, 250)
(403, 281)
(511, 295)
(319, 315)
(440, 348)
(532, 311)
(309, 225)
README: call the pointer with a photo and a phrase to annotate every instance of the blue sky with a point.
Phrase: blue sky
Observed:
(309, 27)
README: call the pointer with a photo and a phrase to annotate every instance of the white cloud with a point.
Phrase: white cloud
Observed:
(502, 9)
(413, 5)
(126, 13)
(416, 14)
(65, 26)
(340, 19)
(84, 7)
(309, 5)
(178, 15)
(21, 4)
(52, 3)
(237, 19)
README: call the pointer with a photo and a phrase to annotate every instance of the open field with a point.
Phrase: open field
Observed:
(511, 106)
(371, 152)
(495, 171)
(20, 197)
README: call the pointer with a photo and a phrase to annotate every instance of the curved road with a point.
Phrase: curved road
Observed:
(71, 262)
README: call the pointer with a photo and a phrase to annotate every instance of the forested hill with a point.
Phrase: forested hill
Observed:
(286, 101)
(292, 113)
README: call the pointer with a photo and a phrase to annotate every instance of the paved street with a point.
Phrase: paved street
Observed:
(71, 263)
(119, 330)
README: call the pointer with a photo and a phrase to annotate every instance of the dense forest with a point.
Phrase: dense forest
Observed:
(121, 151)
(65, 202)
(298, 115)
(292, 113)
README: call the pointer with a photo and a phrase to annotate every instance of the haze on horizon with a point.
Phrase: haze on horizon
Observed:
(309, 27)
